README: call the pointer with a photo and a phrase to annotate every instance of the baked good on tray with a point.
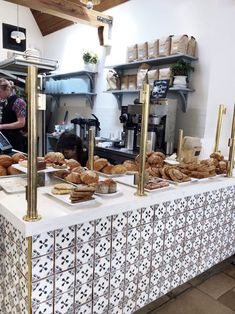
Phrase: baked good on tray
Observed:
(106, 186)
(82, 193)
(6, 161)
(89, 177)
(100, 163)
(62, 188)
(72, 163)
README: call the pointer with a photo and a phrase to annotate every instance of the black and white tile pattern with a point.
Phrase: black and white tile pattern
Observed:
(118, 263)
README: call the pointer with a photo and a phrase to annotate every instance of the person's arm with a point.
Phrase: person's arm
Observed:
(20, 123)
(20, 109)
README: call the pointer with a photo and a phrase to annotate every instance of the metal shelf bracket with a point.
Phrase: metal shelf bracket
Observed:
(184, 99)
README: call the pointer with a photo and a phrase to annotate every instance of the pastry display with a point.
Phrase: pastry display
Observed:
(118, 169)
(100, 163)
(73, 177)
(221, 165)
(54, 157)
(155, 183)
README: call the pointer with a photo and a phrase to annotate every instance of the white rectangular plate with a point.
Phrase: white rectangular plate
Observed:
(25, 169)
(13, 185)
(109, 195)
(65, 199)
(129, 180)
(111, 175)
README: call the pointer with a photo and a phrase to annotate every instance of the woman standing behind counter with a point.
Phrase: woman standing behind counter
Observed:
(71, 146)
(12, 114)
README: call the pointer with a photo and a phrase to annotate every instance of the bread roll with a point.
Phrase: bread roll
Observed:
(89, 177)
(17, 157)
(78, 169)
(3, 171)
(100, 163)
(6, 161)
(72, 163)
(73, 177)
(13, 171)
(118, 169)
(108, 169)
(61, 173)
(54, 157)
(130, 165)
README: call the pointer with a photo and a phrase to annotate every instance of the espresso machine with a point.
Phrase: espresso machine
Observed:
(161, 126)
(82, 126)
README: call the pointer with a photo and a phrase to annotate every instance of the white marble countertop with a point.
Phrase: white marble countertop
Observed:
(56, 214)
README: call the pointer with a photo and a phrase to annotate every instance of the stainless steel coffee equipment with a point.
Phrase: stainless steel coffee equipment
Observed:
(82, 126)
(161, 126)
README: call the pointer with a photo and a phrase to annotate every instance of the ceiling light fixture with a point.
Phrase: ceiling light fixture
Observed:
(90, 3)
(18, 35)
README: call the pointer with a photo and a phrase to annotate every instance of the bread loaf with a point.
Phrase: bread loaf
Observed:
(3, 171)
(6, 161)
(17, 157)
(72, 163)
(89, 177)
(100, 163)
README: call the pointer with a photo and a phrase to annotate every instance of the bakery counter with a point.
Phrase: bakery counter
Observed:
(116, 255)
(115, 155)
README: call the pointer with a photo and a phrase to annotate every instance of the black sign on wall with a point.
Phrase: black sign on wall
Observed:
(160, 89)
(10, 43)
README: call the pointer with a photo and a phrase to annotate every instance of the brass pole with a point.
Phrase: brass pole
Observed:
(145, 94)
(91, 148)
(180, 144)
(31, 192)
(231, 145)
(221, 112)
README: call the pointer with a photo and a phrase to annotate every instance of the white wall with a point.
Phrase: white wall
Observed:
(137, 21)
(8, 15)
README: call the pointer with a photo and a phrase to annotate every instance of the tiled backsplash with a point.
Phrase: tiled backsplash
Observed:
(119, 263)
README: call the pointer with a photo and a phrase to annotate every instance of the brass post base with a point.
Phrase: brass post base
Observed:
(138, 194)
(26, 218)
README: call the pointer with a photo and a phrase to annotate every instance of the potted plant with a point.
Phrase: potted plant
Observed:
(180, 71)
(90, 60)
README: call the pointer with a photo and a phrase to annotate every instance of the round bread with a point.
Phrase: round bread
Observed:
(118, 169)
(89, 177)
(73, 177)
(78, 169)
(3, 171)
(72, 163)
(17, 157)
(61, 173)
(100, 163)
(112, 185)
(154, 158)
(6, 161)
(13, 171)
(217, 155)
(102, 187)
(53, 157)
(130, 165)
(95, 158)
(108, 169)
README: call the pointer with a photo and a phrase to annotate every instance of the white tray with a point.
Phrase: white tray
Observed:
(109, 195)
(65, 199)
(111, 175)
(13, 185)
(25, 169)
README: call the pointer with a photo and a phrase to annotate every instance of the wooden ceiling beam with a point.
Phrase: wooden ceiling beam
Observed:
(67, 10)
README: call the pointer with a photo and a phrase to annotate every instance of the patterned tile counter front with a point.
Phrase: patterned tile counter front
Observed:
(118, 263)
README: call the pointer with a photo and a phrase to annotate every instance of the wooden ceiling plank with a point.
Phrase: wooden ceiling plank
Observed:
(66, 10)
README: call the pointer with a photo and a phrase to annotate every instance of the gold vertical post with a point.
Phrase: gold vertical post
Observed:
(31, 192)
(180, 144)
(221, 112)
(145, 94)
(231, 145)
(91, 148)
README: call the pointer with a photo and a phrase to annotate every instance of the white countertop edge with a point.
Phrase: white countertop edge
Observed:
(61, 215)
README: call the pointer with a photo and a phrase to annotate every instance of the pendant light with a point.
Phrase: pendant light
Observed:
(18, 35)
(90, 3)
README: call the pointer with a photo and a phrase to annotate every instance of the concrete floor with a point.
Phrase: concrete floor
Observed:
(212, 292)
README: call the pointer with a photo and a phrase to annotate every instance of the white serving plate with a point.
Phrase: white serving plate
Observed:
(109, 195)
(25, 169)
(111, 175)
(65, 199)
(13, 185)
